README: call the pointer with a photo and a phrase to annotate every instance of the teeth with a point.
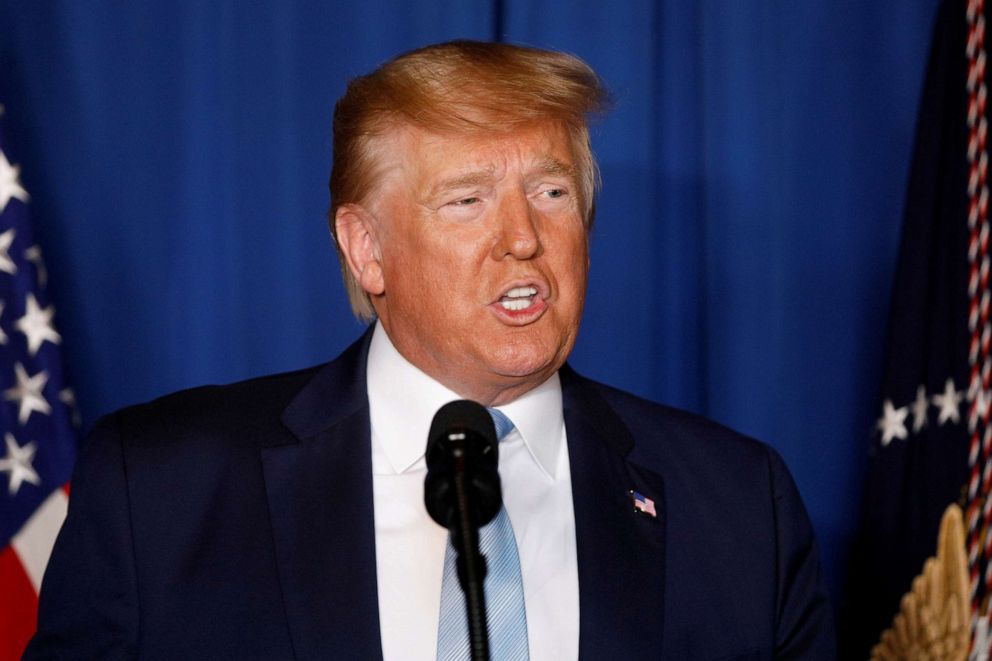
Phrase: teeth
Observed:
(519, 304)
(518, 298)
(520, 292)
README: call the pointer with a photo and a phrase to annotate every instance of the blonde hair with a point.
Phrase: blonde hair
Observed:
(460, 87)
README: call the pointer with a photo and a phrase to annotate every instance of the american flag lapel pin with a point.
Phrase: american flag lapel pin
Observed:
(643, 504)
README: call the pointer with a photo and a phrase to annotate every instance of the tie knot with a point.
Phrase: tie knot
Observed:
(503, 424)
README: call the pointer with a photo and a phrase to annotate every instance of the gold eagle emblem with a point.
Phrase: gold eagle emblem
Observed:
(934, 619)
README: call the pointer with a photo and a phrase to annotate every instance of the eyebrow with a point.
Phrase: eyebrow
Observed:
(547, 165)
(468, 179)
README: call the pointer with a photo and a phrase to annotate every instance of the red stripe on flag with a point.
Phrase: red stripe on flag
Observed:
(18, 606)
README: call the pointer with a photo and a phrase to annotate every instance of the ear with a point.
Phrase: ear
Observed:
(356, 233)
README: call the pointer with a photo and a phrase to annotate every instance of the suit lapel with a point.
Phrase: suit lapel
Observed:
(620, 552)
(320, 501)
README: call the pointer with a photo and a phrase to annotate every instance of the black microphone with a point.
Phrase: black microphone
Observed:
(462, 440)
(462, 493)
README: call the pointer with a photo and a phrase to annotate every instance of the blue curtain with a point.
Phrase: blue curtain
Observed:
(755, 163)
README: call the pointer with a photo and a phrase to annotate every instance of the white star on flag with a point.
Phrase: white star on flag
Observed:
(10, 184)
(68, 397)
(33, 255)
(36, 324)
(949, 402)
(892, 424)
(7, 265)
(18, 464)
(28, 393)
(919, 408)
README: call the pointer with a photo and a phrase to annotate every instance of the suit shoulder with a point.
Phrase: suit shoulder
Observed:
(237, 410)
(645, 412)
(665, 434)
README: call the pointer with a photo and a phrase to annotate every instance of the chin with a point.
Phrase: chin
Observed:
(523, 359)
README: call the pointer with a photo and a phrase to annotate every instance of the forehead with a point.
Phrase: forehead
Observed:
(424, 158)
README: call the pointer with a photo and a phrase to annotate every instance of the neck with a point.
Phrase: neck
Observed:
(468, 382)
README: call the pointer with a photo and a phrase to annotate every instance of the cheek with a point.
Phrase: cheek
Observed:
(576, 266)
(429, 271)
(457, 256)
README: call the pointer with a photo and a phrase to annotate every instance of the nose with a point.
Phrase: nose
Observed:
(518, 234)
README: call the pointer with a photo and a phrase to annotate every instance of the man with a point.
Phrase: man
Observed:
(283, 517)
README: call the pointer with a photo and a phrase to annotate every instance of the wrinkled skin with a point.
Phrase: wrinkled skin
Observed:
(453, 224)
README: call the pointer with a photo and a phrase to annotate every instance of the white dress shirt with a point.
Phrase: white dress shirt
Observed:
(410, 547)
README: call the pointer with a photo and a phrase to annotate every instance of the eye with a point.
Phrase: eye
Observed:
(554, 193)
(466, 201)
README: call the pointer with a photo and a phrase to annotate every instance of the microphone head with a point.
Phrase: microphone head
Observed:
(462, 438)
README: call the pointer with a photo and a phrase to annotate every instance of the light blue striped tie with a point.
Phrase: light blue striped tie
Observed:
(503, 586)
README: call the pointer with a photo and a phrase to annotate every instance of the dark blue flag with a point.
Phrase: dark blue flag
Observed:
(932, 444)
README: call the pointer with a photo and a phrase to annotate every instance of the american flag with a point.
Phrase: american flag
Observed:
(643, 504)
(37, 416)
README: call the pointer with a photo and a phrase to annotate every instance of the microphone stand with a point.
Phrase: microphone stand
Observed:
(471, 563)
(462, 492)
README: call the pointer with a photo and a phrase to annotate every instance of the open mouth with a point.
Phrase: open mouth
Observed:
(518, 298)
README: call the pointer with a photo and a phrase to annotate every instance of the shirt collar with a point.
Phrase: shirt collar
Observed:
(403, 401)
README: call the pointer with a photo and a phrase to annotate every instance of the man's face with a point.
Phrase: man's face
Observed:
(484, 256)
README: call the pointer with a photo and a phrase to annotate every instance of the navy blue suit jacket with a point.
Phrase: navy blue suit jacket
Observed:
(236, 522)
